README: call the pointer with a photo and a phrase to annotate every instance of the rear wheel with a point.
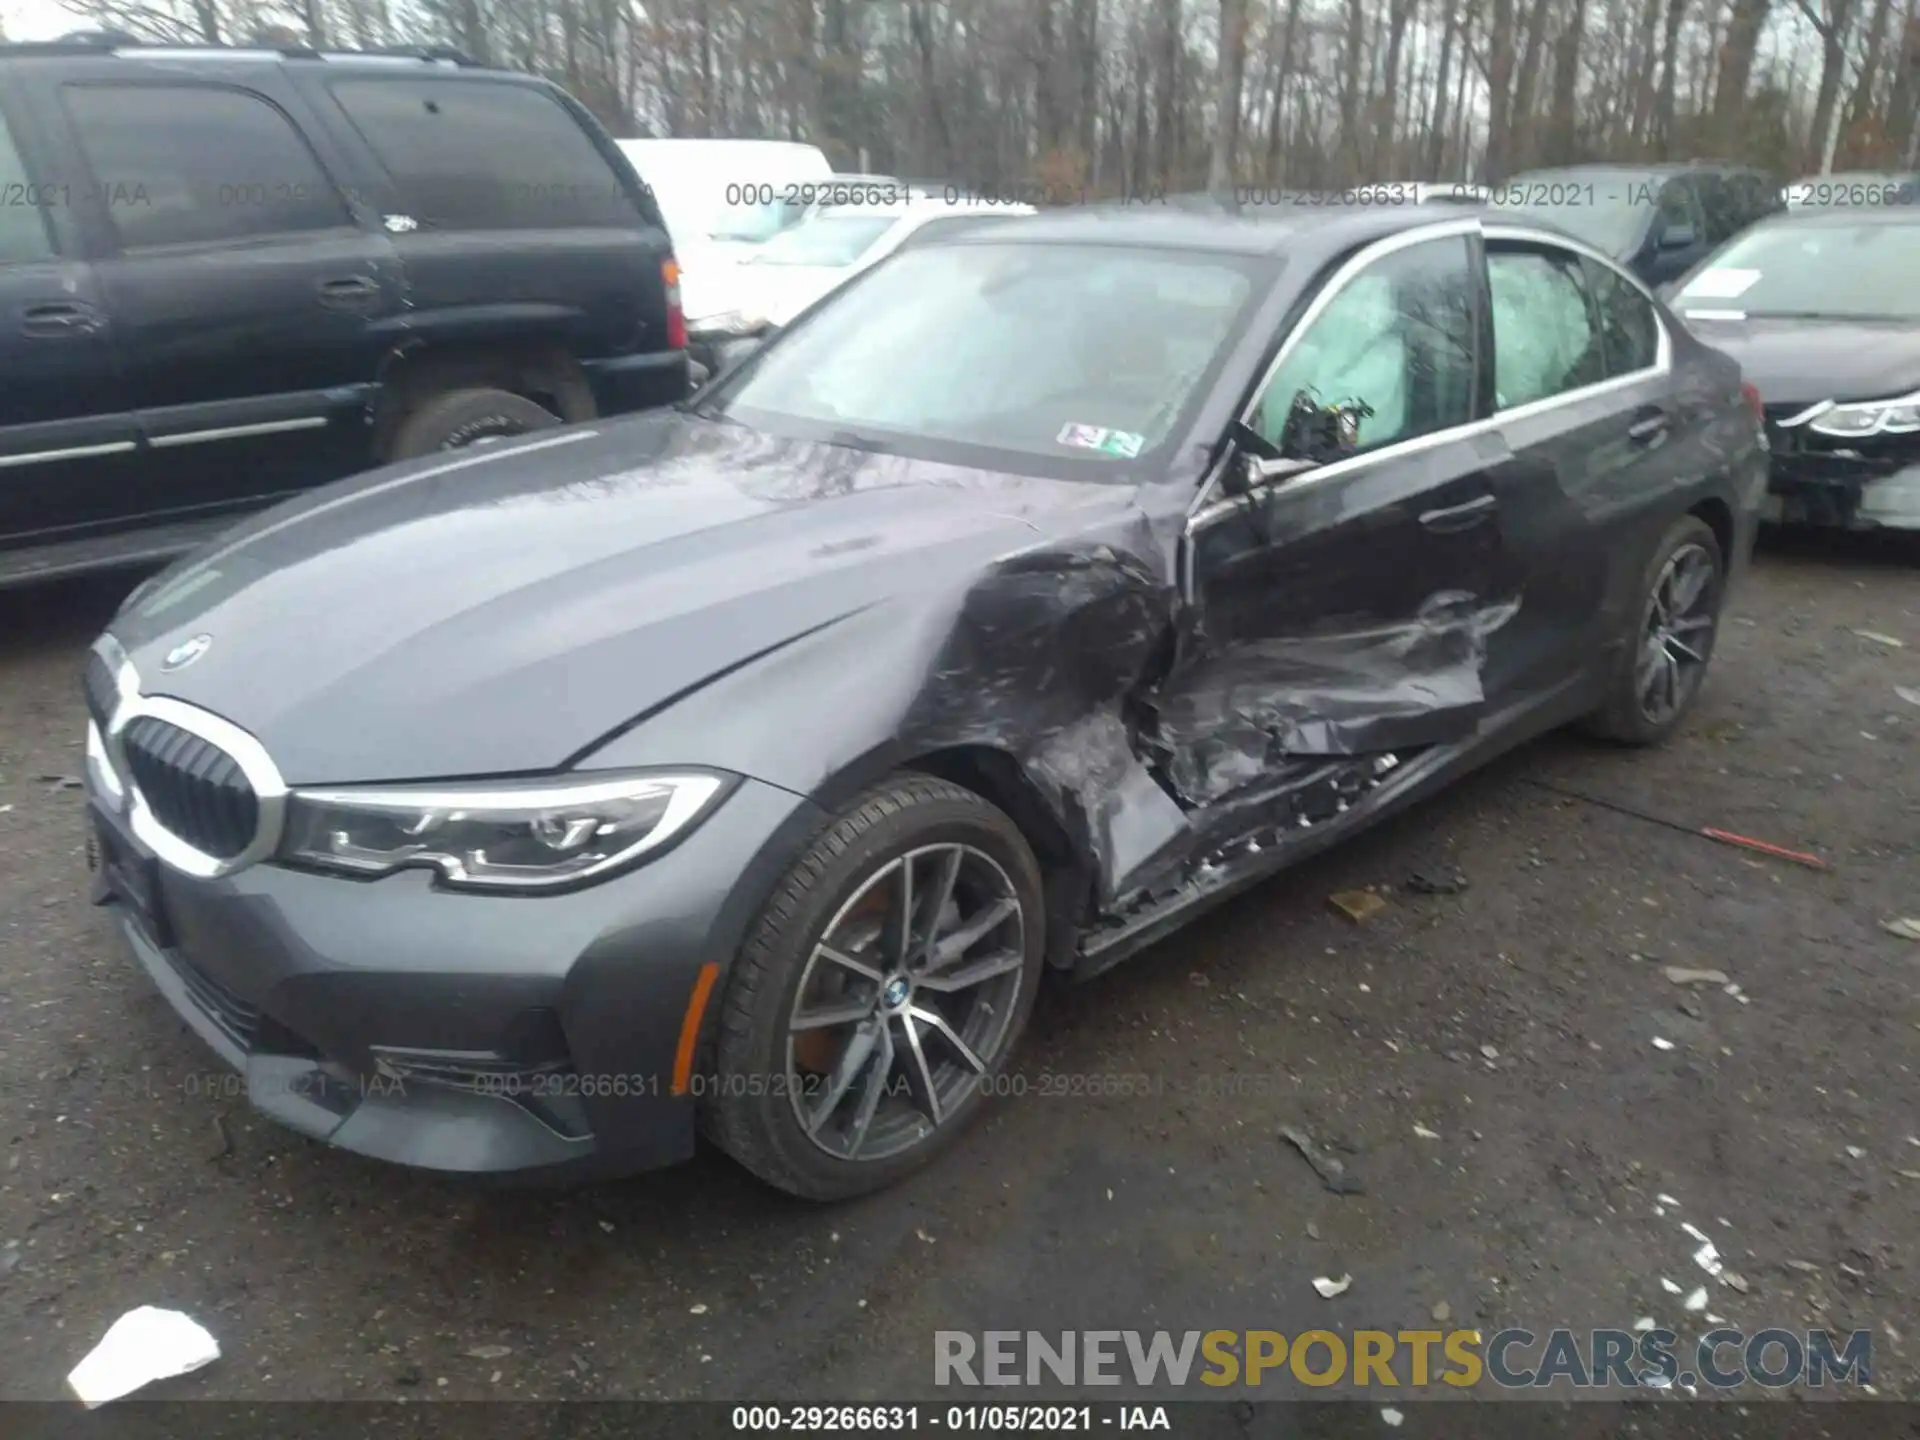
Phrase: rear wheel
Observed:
(1665, 657)
(881, 995)
(460, 419)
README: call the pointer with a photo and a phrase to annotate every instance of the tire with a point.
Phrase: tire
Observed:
(1626, 717)
(763, 1072)
(460, 418)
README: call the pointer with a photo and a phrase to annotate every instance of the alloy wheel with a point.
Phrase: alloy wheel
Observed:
(1679, 633)
(906, 1002)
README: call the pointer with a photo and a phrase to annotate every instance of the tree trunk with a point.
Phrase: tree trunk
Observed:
(1646, 78)
(1348, 142)
(1086, 39)
(1860, 108)
(1520, 116)
(1669, 75)
(920, 27)
(1903, 107)
(1833, 28)
(1736, 66)
(1437, 132)
(1388, 120)
(1566, 77)
(208, 14)
(1165, 132)
(1233, 60)
(1499, 88)
(1276, 122)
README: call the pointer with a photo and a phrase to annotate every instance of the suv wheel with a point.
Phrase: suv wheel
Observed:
(463, 418)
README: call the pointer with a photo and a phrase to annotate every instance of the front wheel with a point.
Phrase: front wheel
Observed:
(1664, 660)
(461, 419)
(879, 998)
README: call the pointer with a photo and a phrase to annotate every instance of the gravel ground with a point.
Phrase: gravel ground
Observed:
(1516, 1021)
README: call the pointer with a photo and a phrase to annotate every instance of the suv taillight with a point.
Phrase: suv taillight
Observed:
(1754, 403)
(676, 317)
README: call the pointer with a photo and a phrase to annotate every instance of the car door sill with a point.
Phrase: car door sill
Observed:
(1103, 947)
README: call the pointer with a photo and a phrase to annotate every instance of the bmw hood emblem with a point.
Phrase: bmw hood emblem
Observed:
(186, 652)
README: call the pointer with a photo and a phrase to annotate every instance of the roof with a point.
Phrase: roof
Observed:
(100, 45)
(1836, 216)
(1205, 222)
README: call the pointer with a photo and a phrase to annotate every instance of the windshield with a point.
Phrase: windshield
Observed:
(1814, 268)
(1085, 356)
(751, 224)
(826, 239)
(1856, 188)
(1607, 209)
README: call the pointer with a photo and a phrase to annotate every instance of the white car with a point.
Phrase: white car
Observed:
(798, 266)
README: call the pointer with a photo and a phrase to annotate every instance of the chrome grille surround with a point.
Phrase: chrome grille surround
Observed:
(246, 753)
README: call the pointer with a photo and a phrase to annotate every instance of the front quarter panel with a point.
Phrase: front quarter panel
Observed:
(1032, 657)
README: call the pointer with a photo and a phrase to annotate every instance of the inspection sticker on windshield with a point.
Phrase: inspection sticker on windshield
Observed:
(1122, 443)
(1721, 283)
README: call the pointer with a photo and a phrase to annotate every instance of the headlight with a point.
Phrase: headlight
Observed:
(511, 835)
(1876, 417)
(105, 778)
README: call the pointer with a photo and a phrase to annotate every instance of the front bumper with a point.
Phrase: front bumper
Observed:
(459, 1032)
(1833, 491)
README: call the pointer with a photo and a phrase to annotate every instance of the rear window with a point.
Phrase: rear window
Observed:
(473, 155)
(1609, 209)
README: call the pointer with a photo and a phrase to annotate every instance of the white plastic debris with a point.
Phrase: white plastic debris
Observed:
(1668, 1286)
(142, 1346)
(1668, 1200)
(1707, 1258)
(1330, 1288)
(1879, 639)
(1660, 1042)
(1426, 1134)
(1392, 1417)
(1643, 1324)
(1697, 1301)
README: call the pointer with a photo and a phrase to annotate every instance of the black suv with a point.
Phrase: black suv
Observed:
(228, 275)
(1656, 220)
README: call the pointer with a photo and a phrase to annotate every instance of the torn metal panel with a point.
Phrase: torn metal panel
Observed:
(1234, 719)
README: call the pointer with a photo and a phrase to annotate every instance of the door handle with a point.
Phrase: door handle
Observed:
(348, 292)
(1459, 517)
(1648, 428)
(43, 322)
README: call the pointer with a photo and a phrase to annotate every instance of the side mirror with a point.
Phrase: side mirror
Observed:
(1677, 237)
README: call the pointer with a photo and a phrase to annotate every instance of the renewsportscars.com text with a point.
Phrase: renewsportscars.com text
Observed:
(1510, 1359)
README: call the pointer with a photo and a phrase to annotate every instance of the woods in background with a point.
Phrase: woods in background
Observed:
(1133, 96)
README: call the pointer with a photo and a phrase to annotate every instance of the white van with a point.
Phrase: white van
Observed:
(724, 197)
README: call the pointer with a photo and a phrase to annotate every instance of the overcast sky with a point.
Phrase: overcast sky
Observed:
(36, 19)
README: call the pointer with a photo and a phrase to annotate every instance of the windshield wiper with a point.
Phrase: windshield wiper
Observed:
(853, 440)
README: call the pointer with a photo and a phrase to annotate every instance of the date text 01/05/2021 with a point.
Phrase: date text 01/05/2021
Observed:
(901, 1419)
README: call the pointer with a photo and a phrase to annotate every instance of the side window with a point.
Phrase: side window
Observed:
(1677, 206)
(485, 155)
(185, 164)
(1629, 328)
(23, 216)
(1397, 340)
(1721, 201)
(1544, 340)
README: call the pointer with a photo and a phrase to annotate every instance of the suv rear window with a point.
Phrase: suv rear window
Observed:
(475, 155)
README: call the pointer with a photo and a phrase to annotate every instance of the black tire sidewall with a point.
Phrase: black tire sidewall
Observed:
(457, 420)
(1624, 718)
(761, 1129)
